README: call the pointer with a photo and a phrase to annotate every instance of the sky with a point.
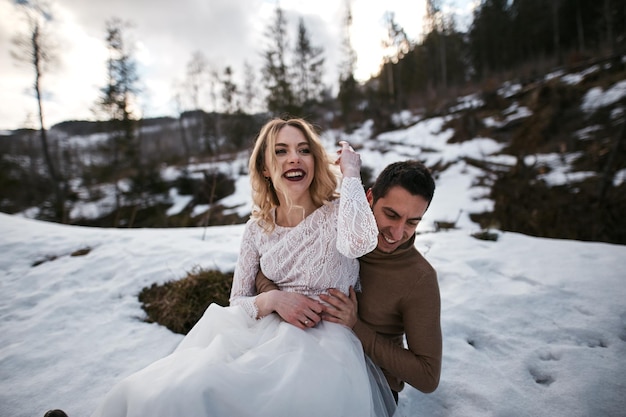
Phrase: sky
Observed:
(531, 326)
(166, 33)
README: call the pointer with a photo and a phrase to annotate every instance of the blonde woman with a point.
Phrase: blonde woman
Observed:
(242, 360)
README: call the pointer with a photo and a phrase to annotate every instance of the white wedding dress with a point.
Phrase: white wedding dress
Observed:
(233, 365)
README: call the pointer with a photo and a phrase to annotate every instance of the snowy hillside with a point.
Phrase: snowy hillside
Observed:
(531, 326)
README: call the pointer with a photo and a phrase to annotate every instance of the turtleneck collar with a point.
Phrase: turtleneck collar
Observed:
(402, 249)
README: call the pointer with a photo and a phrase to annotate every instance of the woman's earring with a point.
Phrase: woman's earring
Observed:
(268, 181)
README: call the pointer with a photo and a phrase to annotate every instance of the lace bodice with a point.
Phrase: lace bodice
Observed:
(317, 254)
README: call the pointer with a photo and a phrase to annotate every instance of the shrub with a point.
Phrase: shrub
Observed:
(178, 305)
(486, 235)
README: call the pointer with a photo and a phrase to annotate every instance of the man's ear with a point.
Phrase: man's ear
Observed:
(370, 197)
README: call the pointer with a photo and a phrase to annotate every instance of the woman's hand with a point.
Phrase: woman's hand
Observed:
(296, 309)
(349, 161)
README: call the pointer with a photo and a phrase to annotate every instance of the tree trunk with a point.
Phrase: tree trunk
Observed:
(183, 136)
(59, 204)
(556, 36)
(444, 68)
(579, 26)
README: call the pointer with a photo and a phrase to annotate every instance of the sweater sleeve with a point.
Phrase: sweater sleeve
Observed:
(243, 291)
(420, 364)
(263, 283)
(357, 232)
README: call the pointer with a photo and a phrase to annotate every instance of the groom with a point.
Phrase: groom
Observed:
(399, 295)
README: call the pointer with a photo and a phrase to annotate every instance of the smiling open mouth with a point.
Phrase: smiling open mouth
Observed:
(295, 174)
(388, 240)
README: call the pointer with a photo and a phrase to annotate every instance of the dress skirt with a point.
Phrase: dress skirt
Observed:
(231, 365)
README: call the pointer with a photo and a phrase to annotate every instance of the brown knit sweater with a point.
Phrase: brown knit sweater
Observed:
(400, 296)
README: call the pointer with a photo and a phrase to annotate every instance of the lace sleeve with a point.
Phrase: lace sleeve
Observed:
(357, 233)
(243, 291)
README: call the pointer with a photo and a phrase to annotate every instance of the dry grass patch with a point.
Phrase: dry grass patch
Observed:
(178, 305)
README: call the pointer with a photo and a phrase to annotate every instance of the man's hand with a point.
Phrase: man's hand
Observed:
(296, 309)
(341, 309)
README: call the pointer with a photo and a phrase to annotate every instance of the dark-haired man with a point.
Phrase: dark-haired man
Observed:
(399, 295)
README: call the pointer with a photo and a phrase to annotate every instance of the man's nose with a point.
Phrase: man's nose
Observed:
(397, 230)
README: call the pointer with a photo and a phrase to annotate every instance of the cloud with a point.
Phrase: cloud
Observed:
(166, 34)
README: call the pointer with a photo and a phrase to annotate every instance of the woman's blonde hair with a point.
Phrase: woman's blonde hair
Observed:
(264, 196)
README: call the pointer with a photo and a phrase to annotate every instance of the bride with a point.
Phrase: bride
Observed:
(242, 360)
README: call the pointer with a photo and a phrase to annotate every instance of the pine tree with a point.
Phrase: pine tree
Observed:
(229, 92)
(490, 37)
(348, 87)
(437, 26)
(118, 97)
(277, 78)
(309, 69)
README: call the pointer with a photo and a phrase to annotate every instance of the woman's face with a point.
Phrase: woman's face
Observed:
(294, 163)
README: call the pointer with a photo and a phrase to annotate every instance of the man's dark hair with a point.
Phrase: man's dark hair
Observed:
(411, 175)
(55, 413)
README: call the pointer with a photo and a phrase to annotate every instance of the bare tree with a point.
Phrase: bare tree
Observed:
(178, 101)
(396, 45)
(250, 89)
(197, 70)
(36, 49)
(214, 84)
(196, 82)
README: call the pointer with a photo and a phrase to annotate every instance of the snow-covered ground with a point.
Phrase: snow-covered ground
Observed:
(531, 326)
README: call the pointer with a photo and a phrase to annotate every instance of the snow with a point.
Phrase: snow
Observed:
(620, 178)
(530, 326)
(509, 89)
(597, 98)
(516, 112)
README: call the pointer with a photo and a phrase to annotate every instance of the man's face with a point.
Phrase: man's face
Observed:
(397, 214)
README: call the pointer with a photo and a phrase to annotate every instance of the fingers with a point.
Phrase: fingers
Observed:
(311, 317)
(298, 310)
(331, 318)
(336, 307)
(353, 295)
(349, 161)
(296, 323)
(305, 320)
(345, 146)
(304, 312)
(335, 298)
(309, 313)
(340, 308)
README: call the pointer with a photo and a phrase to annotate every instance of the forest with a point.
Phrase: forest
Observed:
(45, 172)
